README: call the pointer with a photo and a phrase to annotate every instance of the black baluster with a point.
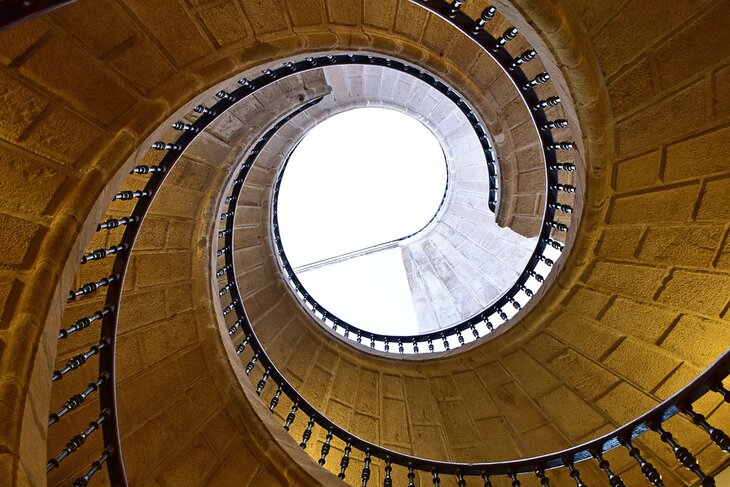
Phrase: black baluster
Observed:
(226, 215)
(553, 243)
(411, 476)
(489, 324)
(235, 326)
(90, 287)
(474, 330)
(560, 146)
(460, 482)
(262, 382)
(430, 344)
(553, 101)
(544, 481)
(96, 465)
(415, 346)
(523, 58)
(129, 195)
(513, 476)
(514, 303)
(252, 363)
(684, 456)
(720, 389)
(142, 169)
(77, 399)
(388, 481)
(507, 36)
(230, 199)
(445, 342)
(245, 83)
(292, 415)
(180, 125)
(84, 322)
(222, 270)
(459, 337)
(307, 433)
(222, 251)
(345, 461)
(538, 277)
(223, 233)
(526, 290)
(224, 95)
(566, 188)
(159, 145)
(290, 66)
(204, 110)
(562, 166)
(400, 345)
(242, 346)
(718, 436)
(561, 207)
(80, 359)
(116, 222)
(224, 290)
(101, 253)
(275, 399)
(366, 469)
(372, 341)
(557, 226)
(548, 262)
(502, 314)
(540, 79)
(76, 442)
(651, 473)
(486, 16)
(455, 7)
(613, 479)
(269, 72)
(325, 448)
(555, 124)
(574, 473)
(227, 310)
(487, 481)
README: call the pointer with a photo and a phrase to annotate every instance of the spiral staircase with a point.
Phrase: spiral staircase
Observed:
(143, 145)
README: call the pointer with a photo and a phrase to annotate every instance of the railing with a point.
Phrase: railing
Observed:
(543, 257)
(104, 385)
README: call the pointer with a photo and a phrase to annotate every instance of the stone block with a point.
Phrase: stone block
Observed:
(18, 40)
(367, 427)
(657, 123)
(691, 245)
(87, 87)
(531, 375)
(169, 23)
(226, 23)
(17, 239)
(392, 386)
(584, 335)
(703, 292)
(162, 267)
(143, 65)
(644, 364)
(571, 413)
(305, 12)
(458, 428)
(342, 388)
(638, 172)
(691, 50)
(672, 204)
(191, 464)
(544, 347)
(239, 467)
(162, 339)
(497, 438)
(714, 203)
(410, 20)
(628, 34)
(265, 16)
(625, 402)
(620, 242)
(517, 407)
(428, 441)
(344, 13)
(317, 384)
(627, 279)
(394, 424)
(701, 155)
(421, 405)
(645, 321)
(698, 340)
(21, 105)
(90, 22)
(632, 89)
(27, 185)
(543, 439)
(587, 302)
(378, 13)
(178, 298)
(584, 375)
(720, 95)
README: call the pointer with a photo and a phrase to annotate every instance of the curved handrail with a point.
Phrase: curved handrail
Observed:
(653, 420)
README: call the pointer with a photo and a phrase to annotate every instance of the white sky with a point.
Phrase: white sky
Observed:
(360, 178)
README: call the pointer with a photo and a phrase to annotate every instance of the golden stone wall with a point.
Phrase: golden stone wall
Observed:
(640, 307)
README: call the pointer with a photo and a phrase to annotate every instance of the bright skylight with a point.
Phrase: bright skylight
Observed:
(361, 178)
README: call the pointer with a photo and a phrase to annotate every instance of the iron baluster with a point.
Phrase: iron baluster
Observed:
(307, 433)
(90, 287)
(84, 322)
(77, 441)
(682, 454)
(718, 436)
(80, 359)
(366, 469)
(325, 448)
(613, 479)
(262, 382)
(77, 399)
(345, 460)
(292, 415)
(96, 465)
(486, 16)
(101, 253)
(649, 471)
(275, 399)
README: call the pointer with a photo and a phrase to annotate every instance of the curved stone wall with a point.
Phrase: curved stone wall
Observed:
(640, 307)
